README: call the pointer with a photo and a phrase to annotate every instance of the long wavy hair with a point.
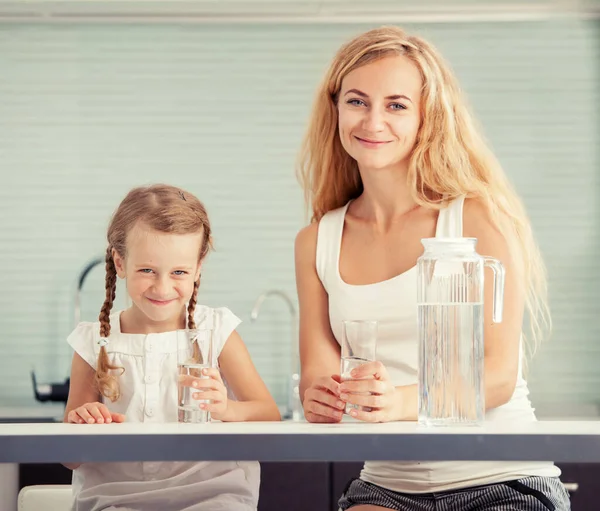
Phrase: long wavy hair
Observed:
(165, 209)
(450, 157)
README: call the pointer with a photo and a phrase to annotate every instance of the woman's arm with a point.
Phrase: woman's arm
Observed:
(501, 340)
(319, 351)
(254, 401)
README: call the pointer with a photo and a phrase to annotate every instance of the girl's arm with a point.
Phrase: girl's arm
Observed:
(82, 389)
(82, 386)
(254, 401)
(83, 393)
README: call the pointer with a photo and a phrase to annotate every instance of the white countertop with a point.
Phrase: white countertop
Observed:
(568, 441)
(569, 428)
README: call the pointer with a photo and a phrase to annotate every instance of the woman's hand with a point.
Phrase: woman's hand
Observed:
(93, 413)
(373, 392)
(211, 392)
(322, 402)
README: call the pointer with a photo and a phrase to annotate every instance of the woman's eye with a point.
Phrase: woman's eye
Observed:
(355, 102)
(397, 106)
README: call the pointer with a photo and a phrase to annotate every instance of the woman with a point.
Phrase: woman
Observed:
(392, 156)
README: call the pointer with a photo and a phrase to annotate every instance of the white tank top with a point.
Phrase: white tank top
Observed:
(393, 303)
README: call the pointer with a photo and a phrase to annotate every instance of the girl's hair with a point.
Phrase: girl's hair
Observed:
(450, 157)
(165, 209)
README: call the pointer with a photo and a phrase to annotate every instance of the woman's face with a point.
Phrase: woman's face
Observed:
(379, 113)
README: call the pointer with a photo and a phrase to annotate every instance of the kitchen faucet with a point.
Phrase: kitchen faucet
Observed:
(59, 392)
(294, 406)
(80, 281)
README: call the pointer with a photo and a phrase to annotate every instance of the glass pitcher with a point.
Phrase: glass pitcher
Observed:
(450, 310)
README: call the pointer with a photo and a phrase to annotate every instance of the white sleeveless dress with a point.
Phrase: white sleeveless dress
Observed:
(149, 395)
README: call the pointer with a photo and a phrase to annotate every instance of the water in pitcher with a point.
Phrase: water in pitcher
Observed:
(188, 407)
(348, 364)
(450, 363)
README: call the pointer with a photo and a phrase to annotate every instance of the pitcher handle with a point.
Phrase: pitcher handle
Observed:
(498, 269)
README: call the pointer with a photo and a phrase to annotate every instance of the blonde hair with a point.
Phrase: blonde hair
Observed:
(450, 157)
(166, 209)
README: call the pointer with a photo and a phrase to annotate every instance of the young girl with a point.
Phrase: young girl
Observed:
(125, 366)
(392, 156)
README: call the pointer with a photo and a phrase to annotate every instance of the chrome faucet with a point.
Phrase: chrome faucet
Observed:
(274, 292)
(60, 391)
(80, 281)
(294, 406)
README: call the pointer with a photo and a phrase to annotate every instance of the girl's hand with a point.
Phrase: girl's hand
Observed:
(372, 390)
(94, 413)
(210, 389)
(322, 402)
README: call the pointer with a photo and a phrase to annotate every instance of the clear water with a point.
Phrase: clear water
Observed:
(188, 409)
(451, 363)
(348, 364)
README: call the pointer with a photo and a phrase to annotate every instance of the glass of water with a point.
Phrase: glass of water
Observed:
(359, 344)
(195, 352)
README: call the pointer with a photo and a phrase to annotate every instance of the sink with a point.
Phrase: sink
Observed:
(37, 413)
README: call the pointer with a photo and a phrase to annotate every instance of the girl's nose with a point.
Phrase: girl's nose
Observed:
(161, 286)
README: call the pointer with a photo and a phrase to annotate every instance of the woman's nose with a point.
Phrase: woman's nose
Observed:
(374, 121)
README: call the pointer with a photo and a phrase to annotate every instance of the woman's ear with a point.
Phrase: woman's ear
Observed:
(119, 264)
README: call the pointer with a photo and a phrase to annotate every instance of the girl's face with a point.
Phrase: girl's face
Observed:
(379, 112)
(160, 270)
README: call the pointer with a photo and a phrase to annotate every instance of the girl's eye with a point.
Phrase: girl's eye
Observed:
(180, 272)
(145, 270)
(355, 102)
